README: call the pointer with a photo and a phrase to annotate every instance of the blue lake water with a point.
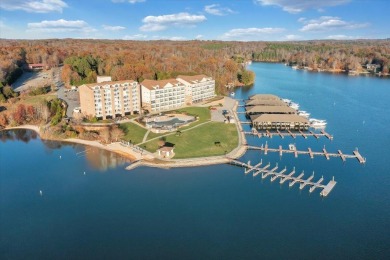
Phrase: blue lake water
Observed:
(215, 211)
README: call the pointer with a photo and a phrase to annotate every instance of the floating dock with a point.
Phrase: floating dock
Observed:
(271, 116)
(326, 189)
(288, 133)
(327, 155)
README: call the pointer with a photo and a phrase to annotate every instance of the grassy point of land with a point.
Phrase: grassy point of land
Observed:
(133, 132)
(201, 141)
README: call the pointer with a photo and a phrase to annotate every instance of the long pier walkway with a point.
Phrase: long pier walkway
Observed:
(280, 150)
(265, 172)
(294, 135)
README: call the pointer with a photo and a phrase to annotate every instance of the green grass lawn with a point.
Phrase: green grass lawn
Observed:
(133, 132)
(152, 135)
(202, 112)
(200, 142)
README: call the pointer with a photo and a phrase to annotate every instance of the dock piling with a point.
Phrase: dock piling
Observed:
(324, 152)
(326, 189)
(269, 134)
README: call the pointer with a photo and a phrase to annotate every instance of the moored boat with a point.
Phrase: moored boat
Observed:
(317, 123)
(294, 105)
(303, 113)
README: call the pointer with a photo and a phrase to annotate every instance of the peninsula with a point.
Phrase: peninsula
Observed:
(175, 122)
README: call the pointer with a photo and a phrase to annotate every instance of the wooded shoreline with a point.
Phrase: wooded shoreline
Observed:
(82, 60)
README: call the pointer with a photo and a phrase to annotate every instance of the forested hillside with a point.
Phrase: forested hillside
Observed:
(329, 55)
(82, 60)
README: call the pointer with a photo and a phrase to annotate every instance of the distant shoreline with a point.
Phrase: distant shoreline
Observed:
(330, 71)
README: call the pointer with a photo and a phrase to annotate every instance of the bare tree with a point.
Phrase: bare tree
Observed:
(116, 133)
(43, 112)
(105, 135)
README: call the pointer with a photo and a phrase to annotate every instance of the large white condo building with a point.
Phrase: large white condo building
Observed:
(110, 99)
(199, 87)
(158, 95)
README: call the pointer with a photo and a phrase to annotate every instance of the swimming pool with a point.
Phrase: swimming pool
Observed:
(169, 123)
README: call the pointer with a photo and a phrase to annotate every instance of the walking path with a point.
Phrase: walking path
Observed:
(145, 136)
(145, 141)
(202, 161)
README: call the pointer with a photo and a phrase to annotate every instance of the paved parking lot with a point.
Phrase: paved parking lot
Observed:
(229, 103)
(217, 114)
(30, 80)
(71, 97)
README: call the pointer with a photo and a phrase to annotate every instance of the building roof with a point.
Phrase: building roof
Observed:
(264, 96)
(151, 84)
(278, 118)
(270, 109)
(91, 85)
(100, 79)
(193, 79)
(36, 64)
(265, 102)
(166, 149)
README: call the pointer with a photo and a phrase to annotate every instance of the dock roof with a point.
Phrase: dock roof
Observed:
(265, 102)
(264, 97)
(270, 109)
(278, 118)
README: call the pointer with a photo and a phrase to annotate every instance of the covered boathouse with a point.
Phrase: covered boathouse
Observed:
(264, 97)
(279, 122)
(265, 102)
(256, 110)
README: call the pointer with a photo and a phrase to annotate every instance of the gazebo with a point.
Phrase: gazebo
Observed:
(165, 152)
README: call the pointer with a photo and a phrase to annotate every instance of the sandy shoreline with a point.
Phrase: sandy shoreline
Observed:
(29, 127)
(143, 160)
(113, 147)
